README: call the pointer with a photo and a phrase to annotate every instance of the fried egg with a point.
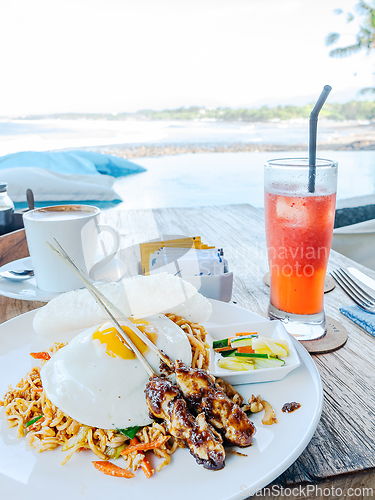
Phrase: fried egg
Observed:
(97, 380)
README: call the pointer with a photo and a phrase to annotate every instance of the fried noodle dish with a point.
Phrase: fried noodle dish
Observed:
(46, 427)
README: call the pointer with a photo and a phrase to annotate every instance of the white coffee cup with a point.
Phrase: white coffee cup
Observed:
(76, 228)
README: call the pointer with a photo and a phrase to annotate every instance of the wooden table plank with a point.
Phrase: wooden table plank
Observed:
(13, 246)
(345, 437)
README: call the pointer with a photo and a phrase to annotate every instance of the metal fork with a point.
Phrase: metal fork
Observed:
(363, 299)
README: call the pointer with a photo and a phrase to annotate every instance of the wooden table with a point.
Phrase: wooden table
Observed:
(341, 454)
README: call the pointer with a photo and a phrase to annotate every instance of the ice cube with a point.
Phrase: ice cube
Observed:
(292, 209)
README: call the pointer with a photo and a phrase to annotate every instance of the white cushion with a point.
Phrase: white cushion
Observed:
(53, 186)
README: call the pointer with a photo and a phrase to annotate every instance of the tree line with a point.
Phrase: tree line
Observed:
(352, 110)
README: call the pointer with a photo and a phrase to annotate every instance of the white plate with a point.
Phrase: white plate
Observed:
(269, 329)
(27, 290)
(24, 473)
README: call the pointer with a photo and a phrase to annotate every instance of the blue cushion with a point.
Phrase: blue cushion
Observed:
(72, 162)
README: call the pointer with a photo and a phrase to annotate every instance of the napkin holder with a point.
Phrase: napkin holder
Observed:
(217, 287)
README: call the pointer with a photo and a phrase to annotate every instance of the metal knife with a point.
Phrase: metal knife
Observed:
(363, 278)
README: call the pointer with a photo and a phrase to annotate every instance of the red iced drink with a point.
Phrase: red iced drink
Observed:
(299, 234)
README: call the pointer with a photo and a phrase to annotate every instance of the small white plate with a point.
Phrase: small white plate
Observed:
(269, 329)
(23, 290)
(27, 290)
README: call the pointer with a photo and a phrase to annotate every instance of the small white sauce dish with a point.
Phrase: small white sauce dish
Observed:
(270, 329)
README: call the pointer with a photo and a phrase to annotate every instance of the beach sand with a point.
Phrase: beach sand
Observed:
(359, 141)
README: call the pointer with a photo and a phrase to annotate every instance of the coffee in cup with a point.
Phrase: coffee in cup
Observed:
(77, 229)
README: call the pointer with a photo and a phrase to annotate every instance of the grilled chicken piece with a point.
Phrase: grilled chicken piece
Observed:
(201, 393)
(165, 401)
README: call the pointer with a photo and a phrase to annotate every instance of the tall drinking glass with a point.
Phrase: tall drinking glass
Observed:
(299, 227)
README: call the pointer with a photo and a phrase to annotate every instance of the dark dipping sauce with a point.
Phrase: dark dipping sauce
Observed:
(289, 407)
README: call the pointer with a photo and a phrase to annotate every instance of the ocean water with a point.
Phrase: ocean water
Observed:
(229, 178)
(194, 179)
(52, 134)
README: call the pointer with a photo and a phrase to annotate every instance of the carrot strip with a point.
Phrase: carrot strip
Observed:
(38, 420)
(246, 333)
(40, 355)
(245, 349)
(145, 464)
(146, 446)
(146, 467)
(222, 349)
(112, 470)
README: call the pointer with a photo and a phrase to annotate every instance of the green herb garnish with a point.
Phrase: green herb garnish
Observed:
(130, 432)
(115, 453)
(33, 420)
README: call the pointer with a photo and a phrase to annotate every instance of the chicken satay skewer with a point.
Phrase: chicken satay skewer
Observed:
(203, 395)
(222, 413)
(204, 442)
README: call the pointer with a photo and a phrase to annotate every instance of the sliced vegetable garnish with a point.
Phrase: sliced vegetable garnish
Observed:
(223, 349)
(248, 347)
(245, 349)
(236, 364)
(145, 464)
(269, 363)
(254, 355)
(222, 344)
(146, 446)
(130, 432)
(112, 470)
(283, 343)
(229, 353)
(146, 467)
(266, 350)
(41, 355)
(274, 346)
(114, 453)
(33, 420)
(218, 344)
(242, 341)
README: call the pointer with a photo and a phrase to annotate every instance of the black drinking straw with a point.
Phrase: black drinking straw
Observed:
(313, 131)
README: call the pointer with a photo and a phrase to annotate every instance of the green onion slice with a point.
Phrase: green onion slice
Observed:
(130, 432)
(33, 420)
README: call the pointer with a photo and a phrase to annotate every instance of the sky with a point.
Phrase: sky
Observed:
(111, 56)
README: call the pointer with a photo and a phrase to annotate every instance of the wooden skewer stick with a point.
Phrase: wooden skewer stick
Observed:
(106, 305)
(81, 274)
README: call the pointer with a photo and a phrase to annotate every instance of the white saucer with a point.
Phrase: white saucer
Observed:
(27, 290)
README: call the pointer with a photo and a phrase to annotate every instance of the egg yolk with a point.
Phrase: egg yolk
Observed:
(115, 346)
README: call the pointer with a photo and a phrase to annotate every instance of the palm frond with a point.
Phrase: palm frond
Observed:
(367, 90)
(363, 7)
(346, 51)
(365, 39)
(332, 38)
